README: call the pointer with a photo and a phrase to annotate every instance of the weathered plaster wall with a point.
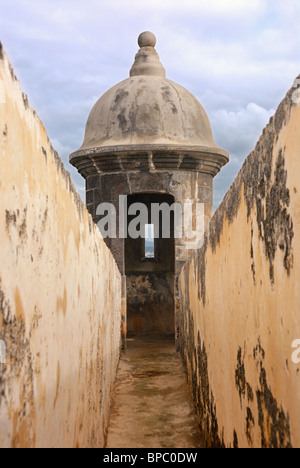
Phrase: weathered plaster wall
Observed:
(240, 299)
(60, 292)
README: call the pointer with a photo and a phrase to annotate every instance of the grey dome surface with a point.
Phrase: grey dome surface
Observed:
(148, 112)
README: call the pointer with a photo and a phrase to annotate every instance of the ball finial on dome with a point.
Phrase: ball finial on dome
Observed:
(147, 39)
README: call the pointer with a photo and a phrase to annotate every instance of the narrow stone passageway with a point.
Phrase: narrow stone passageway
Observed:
(152, 407)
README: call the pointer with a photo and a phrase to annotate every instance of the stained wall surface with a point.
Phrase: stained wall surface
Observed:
(240, 299)
(60, 292)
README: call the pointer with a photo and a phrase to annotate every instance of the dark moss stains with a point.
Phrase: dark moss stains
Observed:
(5, 308)
(23, 226)
(250, 423)
(272, 200)
(166, 95)
(281, 220)
(258, 353)
(235, 440)
(120, 96)
(5, 312)
(44, 221)
(19, 360)
(25, 100)
(196, 361)
(244, 388)
(44, 152)
(240, 379)
(19, 367)
(11, 218)
(12, 73)
(280, 117)
(250, 395)
(200, 271)
(272, 420)
(1, 51)
(252, 258)
(274, 423)
(274, 222)
(122, 121)
(203, 396)
(14, 219)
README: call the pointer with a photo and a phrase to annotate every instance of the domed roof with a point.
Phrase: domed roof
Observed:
(146, 112)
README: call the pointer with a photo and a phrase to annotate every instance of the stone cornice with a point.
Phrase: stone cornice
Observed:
(107, 160)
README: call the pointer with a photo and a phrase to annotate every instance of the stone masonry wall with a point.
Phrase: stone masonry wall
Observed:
(240, 299)
(60, 293)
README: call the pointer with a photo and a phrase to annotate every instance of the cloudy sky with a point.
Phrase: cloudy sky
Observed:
(238, 57)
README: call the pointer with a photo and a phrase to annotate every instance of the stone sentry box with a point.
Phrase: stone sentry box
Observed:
(149, 135)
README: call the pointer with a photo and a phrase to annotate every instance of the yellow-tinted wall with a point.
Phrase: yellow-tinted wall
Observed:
(60, 293)
(240, 299)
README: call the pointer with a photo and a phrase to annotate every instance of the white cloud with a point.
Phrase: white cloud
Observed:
(238, 133)
(215, 7)
(239, 57)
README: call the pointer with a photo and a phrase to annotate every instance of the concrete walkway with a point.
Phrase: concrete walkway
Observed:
(152, 407)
